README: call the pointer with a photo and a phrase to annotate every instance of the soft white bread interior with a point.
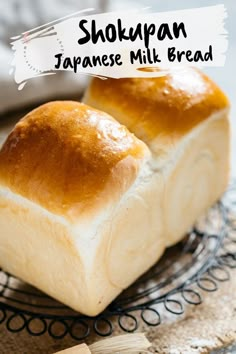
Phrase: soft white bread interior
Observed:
(82, 199)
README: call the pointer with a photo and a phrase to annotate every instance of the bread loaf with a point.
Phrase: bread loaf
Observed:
(183, 119)
(87, 206)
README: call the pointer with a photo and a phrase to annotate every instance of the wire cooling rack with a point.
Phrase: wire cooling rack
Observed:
(196, 265)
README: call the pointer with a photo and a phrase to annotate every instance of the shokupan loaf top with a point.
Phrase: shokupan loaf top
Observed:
(155, 107)
(70, 158)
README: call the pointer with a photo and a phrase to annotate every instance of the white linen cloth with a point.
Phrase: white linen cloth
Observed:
(17, 16)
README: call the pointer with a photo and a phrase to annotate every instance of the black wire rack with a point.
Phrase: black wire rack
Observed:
(196, 265)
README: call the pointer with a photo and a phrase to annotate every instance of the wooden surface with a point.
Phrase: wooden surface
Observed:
(77, 349)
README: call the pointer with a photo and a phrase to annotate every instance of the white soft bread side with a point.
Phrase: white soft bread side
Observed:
(82, 199)
(199, 178)
(82, 265)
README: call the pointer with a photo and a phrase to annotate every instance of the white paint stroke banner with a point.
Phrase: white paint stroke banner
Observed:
(122, 44)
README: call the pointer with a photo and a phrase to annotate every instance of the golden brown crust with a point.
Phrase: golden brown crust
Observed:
(69, 157)
(170, 105)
